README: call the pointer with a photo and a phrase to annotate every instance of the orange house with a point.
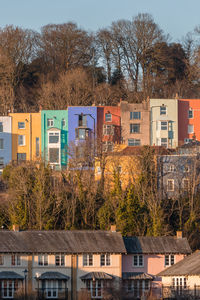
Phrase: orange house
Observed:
(188, 120)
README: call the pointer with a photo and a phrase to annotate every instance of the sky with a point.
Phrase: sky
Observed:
(174, 17)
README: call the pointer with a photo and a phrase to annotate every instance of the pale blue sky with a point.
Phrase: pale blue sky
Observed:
(176, 17)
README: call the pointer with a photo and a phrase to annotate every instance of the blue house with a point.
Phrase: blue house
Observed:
(82, 131)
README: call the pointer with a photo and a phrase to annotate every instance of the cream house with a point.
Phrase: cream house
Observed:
(182, 278)
(60, 264)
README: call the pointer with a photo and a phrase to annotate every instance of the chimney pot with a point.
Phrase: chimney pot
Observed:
(179, 234)
(15, 227)
(113, 228)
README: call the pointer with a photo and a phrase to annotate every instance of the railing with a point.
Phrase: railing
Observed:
(179, 292)
(52, 293)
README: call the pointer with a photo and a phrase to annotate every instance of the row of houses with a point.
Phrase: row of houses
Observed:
(87, 264)
(50, 133)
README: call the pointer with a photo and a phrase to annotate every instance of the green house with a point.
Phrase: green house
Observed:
(54, 129)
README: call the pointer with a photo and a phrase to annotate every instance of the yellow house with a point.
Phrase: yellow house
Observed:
(26, 136)
(123, 162)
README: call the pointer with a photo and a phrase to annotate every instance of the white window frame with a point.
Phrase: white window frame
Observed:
(21, 127)
(1, 126)
(94, 286)
(54, 146)
(190, 128)
(8, 289)
(108, 129)
(43, 260)
(163, 125)
(50, 122)
(164, 144)
(108, 146)
(51, 287)
(172, 182)
(179, 282)
(2, 141)
(163, 110)
(132, 130)
(135, 115)
(171, 260)
(105, 260)
(134, 142)
(108, 119)
(15, 260)
(171, 168)
(192, 113)
(88, 260)
(136, 263)
(23, 138)
(61, 260)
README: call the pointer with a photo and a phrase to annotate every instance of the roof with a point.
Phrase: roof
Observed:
(188, 266)
(10, 275)
(52, 275)
(96, 275)
(157, 245)
(137, 275)
(77, 241)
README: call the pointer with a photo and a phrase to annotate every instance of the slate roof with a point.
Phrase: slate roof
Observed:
(137, 275)
(157, 245)
(96, 275)
(53, 275)
(77, 241)
(10, 275)
(188, 266)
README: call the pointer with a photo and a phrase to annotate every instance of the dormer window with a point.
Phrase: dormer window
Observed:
(50, 122)
(82, 133)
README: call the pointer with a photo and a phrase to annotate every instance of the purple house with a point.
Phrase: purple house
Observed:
(82, 132)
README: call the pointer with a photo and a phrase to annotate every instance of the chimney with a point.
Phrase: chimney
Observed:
(179, 234)
(15, 227)
(113, 228)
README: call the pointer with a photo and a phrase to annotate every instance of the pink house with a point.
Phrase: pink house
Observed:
(145, 258)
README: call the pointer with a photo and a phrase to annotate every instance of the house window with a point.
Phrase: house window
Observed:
(1, 163)
(105, 259)
(54, 137)
(82, 120)
(179, 283)
(63, 123)
(134, 142)
(170, 185)
(54, 155)
(7, 288)
(135, 115)
(15, 260)
(138, 261)
(108, 129)
(1, 144)
(21, 140)
(171, 168)
(37, 146)
(21, 125)
(163, 125)
(98, 170)
(1, 126)
(82, 133)
(190, 113)
(87, 260)
(21, 156)
(169, 260)
(43, 260)
(164, 142)
(1, 260)
(186, 184)
(138, 287)
(108, 117)
(51, 289)
(59, 260)
(107, 146)
(190, 129)
(163, 110)
(50, 122)
(96, 288)
(134, 128)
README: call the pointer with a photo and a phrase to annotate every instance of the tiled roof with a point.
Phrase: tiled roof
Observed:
(96, 275)
(137, 275)
(77, 241)
(157, 245)
(188, 266)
